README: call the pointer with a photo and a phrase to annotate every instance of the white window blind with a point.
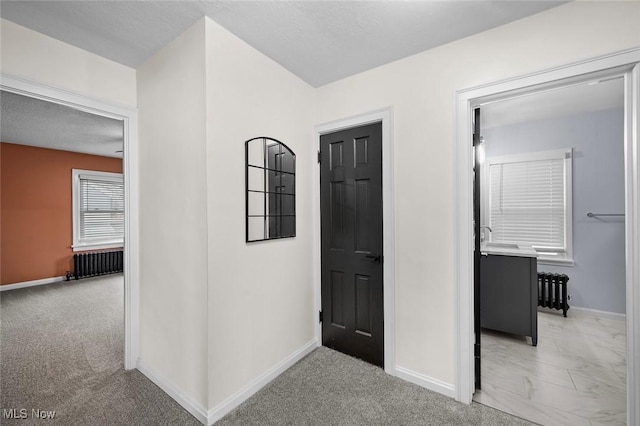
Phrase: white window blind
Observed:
(98, 209)
(527, 202)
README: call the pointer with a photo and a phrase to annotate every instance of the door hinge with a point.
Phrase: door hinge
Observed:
(319, 157)
(476, 350)
(320, 317)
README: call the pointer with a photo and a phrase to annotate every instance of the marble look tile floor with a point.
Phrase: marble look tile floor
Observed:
(575, 376)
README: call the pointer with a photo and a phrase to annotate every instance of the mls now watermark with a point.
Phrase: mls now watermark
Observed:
(23, 413)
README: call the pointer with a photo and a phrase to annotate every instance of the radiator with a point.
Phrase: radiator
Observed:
(552, 291)
(96, 263)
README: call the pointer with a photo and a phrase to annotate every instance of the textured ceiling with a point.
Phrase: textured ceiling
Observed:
(320, 41)
(560, 102)
(326, 41)
(29, 121)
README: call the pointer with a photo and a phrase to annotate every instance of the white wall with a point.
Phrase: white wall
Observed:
(422, 89)
(216, 312)
(38, 58)
(597, 280)
(261, 300)
(173, 213)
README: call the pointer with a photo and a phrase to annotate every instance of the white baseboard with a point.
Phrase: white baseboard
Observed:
(586, 312)
(33, 283)
(430, 383)
(193, 407)
(222, 409)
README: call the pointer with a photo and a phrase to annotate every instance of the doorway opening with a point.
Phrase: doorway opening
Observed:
(624, 65)
(546, 162)
(128, 136)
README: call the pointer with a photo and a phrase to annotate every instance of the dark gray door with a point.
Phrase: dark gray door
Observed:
(351, 220)
(476, 250)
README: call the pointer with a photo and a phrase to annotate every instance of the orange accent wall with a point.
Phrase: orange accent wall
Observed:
(35, 209)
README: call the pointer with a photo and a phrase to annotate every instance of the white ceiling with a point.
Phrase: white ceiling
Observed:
(29, 121)
(320, 41)
(561, 102)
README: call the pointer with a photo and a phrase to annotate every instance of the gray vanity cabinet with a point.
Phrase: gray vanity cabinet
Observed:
(509, 295)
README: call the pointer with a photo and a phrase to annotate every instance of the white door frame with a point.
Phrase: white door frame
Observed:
(626, 64)
(385, 116)
(129, 117)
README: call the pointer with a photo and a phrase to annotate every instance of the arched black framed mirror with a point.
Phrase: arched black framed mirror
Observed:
(270, 181)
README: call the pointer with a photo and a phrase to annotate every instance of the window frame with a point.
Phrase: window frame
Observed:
(545, 255)
(79, 245)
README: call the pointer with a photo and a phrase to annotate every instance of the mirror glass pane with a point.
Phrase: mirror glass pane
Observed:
(255, 178)
(288, 161)
(287, 204)
(256, 204)
(255, 152)
(273, 155)
(283, 226)
(256, 229)
(287, 184)
(281, 204)
(288, 226)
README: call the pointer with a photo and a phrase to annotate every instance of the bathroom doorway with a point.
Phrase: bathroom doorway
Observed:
(625, 64)
(551, 172)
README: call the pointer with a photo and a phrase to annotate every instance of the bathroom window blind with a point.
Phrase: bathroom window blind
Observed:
(528, 201)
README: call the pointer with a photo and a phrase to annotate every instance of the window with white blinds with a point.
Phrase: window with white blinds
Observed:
(98, 209)
(530, 201)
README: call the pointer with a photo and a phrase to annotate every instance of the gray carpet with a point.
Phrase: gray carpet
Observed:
(62, 349)
(329, 388)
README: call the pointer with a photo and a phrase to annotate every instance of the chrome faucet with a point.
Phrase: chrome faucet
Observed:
(482, 233)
